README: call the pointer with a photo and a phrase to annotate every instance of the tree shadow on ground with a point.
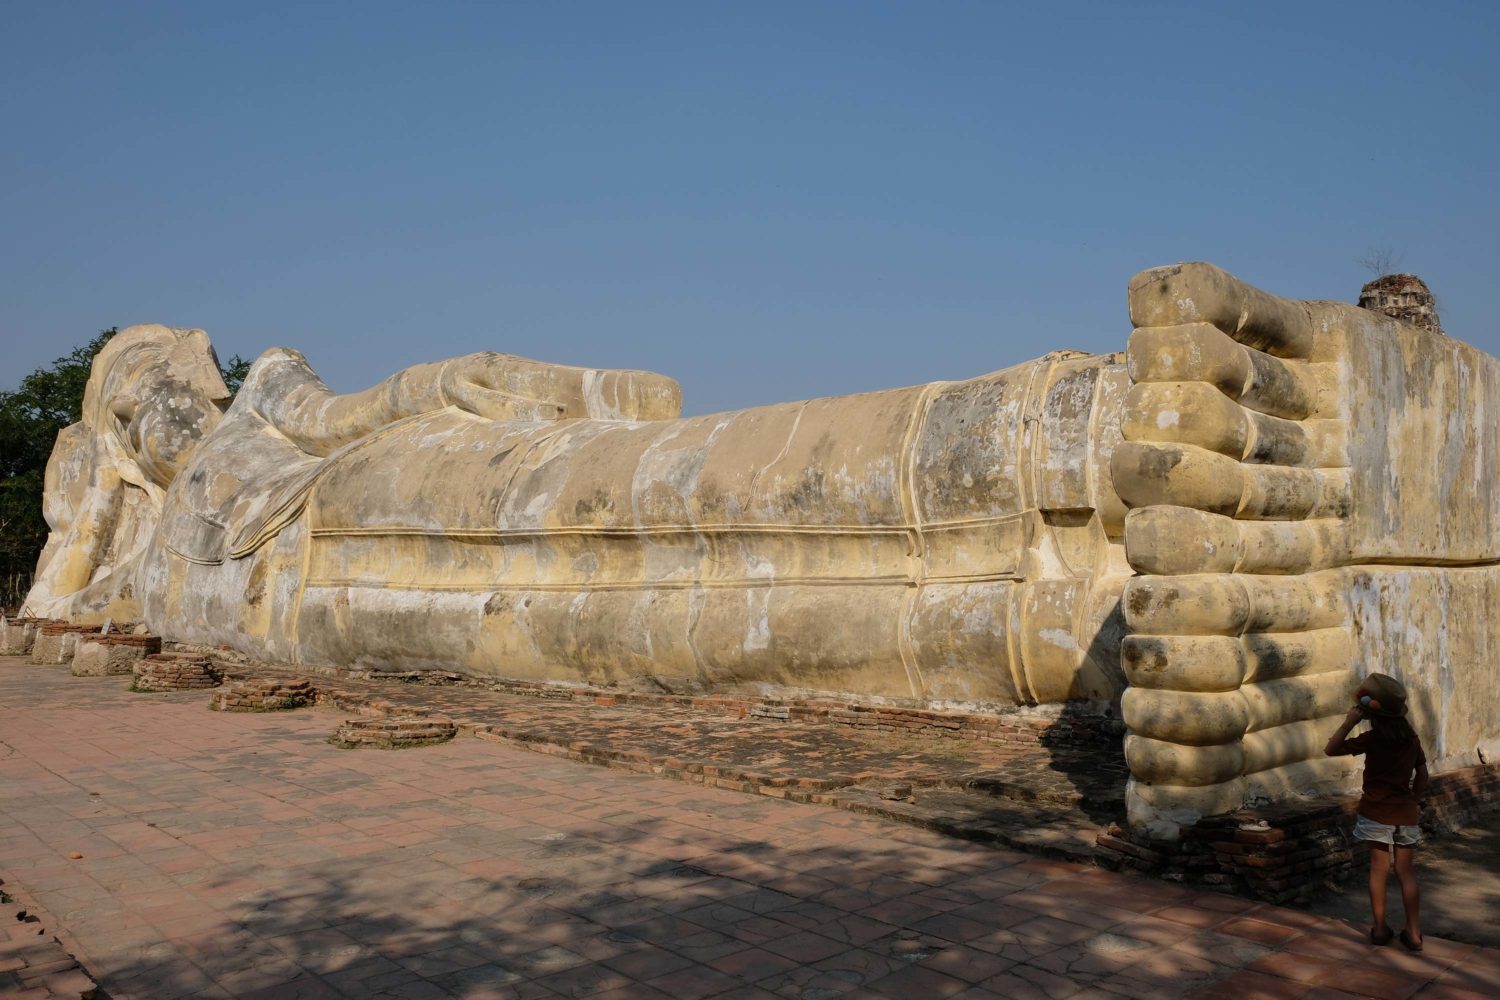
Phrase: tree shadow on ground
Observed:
(592, 907)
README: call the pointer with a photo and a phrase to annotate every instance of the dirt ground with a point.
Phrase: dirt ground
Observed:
(1460, 878)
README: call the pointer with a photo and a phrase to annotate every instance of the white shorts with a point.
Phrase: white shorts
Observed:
(1384, 833)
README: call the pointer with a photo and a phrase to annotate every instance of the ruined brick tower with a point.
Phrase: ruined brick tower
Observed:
(1404, 297)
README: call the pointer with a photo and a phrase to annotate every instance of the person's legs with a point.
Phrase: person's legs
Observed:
(1411, 893)
(1380, 870)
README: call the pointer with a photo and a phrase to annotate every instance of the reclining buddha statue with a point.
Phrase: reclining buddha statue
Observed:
(1218, 531)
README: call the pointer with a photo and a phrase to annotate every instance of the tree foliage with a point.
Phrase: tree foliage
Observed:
(46, 401)
(234, 372)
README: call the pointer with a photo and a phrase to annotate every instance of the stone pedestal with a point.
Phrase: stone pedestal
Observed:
(17, 635)
(174, 672)
(113, 654)
(393, 734)
(56, 641)
(263, 694)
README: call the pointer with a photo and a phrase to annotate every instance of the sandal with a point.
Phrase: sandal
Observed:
(1412, 944)
(1383, 935)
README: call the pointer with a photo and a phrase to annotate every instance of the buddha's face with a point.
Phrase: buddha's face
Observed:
(163, 394)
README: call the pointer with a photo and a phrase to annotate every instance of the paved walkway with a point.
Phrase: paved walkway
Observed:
(243, 856)
(1460, 877)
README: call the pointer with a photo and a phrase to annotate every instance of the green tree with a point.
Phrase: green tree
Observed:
(234, 372)
(45, 402)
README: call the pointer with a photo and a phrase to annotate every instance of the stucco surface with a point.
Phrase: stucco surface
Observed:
(1312, 502)
(892, 544)
(1220, 529)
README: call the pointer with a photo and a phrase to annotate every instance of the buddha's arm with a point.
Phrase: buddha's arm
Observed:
(289, 395)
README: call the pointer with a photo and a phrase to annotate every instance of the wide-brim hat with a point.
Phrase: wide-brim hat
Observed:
(1386, 692)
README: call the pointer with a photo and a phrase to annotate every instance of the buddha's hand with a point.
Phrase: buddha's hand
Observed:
(499, 387)
(506, 387)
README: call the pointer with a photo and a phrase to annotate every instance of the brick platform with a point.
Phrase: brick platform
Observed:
(112, 654)
(1072, 726)
(1082, 727)
(263, 694)
(56, 641)
(396, 733)
(1045, 788)
(1288, 852)
(174, 672)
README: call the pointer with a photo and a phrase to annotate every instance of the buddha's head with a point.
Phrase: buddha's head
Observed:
(153, 394)
(156, 392)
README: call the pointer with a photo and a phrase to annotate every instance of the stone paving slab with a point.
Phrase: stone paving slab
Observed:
(241, 855)
(1460, 878)
(34, 964)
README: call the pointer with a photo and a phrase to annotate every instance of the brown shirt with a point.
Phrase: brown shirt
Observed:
(1389, 768)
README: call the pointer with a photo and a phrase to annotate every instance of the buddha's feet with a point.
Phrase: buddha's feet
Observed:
(1307, 503)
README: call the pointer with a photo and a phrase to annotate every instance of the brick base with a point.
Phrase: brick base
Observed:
(1080, 726)
(392, 733)
(173, 672)
(263, 695)
(1084, 726)
(1287, 852)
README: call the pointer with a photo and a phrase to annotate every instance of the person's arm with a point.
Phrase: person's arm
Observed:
(1338, 743)
(1421, 778)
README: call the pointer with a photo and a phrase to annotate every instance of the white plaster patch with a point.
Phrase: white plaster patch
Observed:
(593, 398)
(1058, 637)
(759, 634)
(539, 505)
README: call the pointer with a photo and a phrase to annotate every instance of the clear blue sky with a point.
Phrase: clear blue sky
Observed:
(766, 201)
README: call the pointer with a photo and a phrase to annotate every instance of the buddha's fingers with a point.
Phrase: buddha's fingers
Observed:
(498, 404)
(1201, 293)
